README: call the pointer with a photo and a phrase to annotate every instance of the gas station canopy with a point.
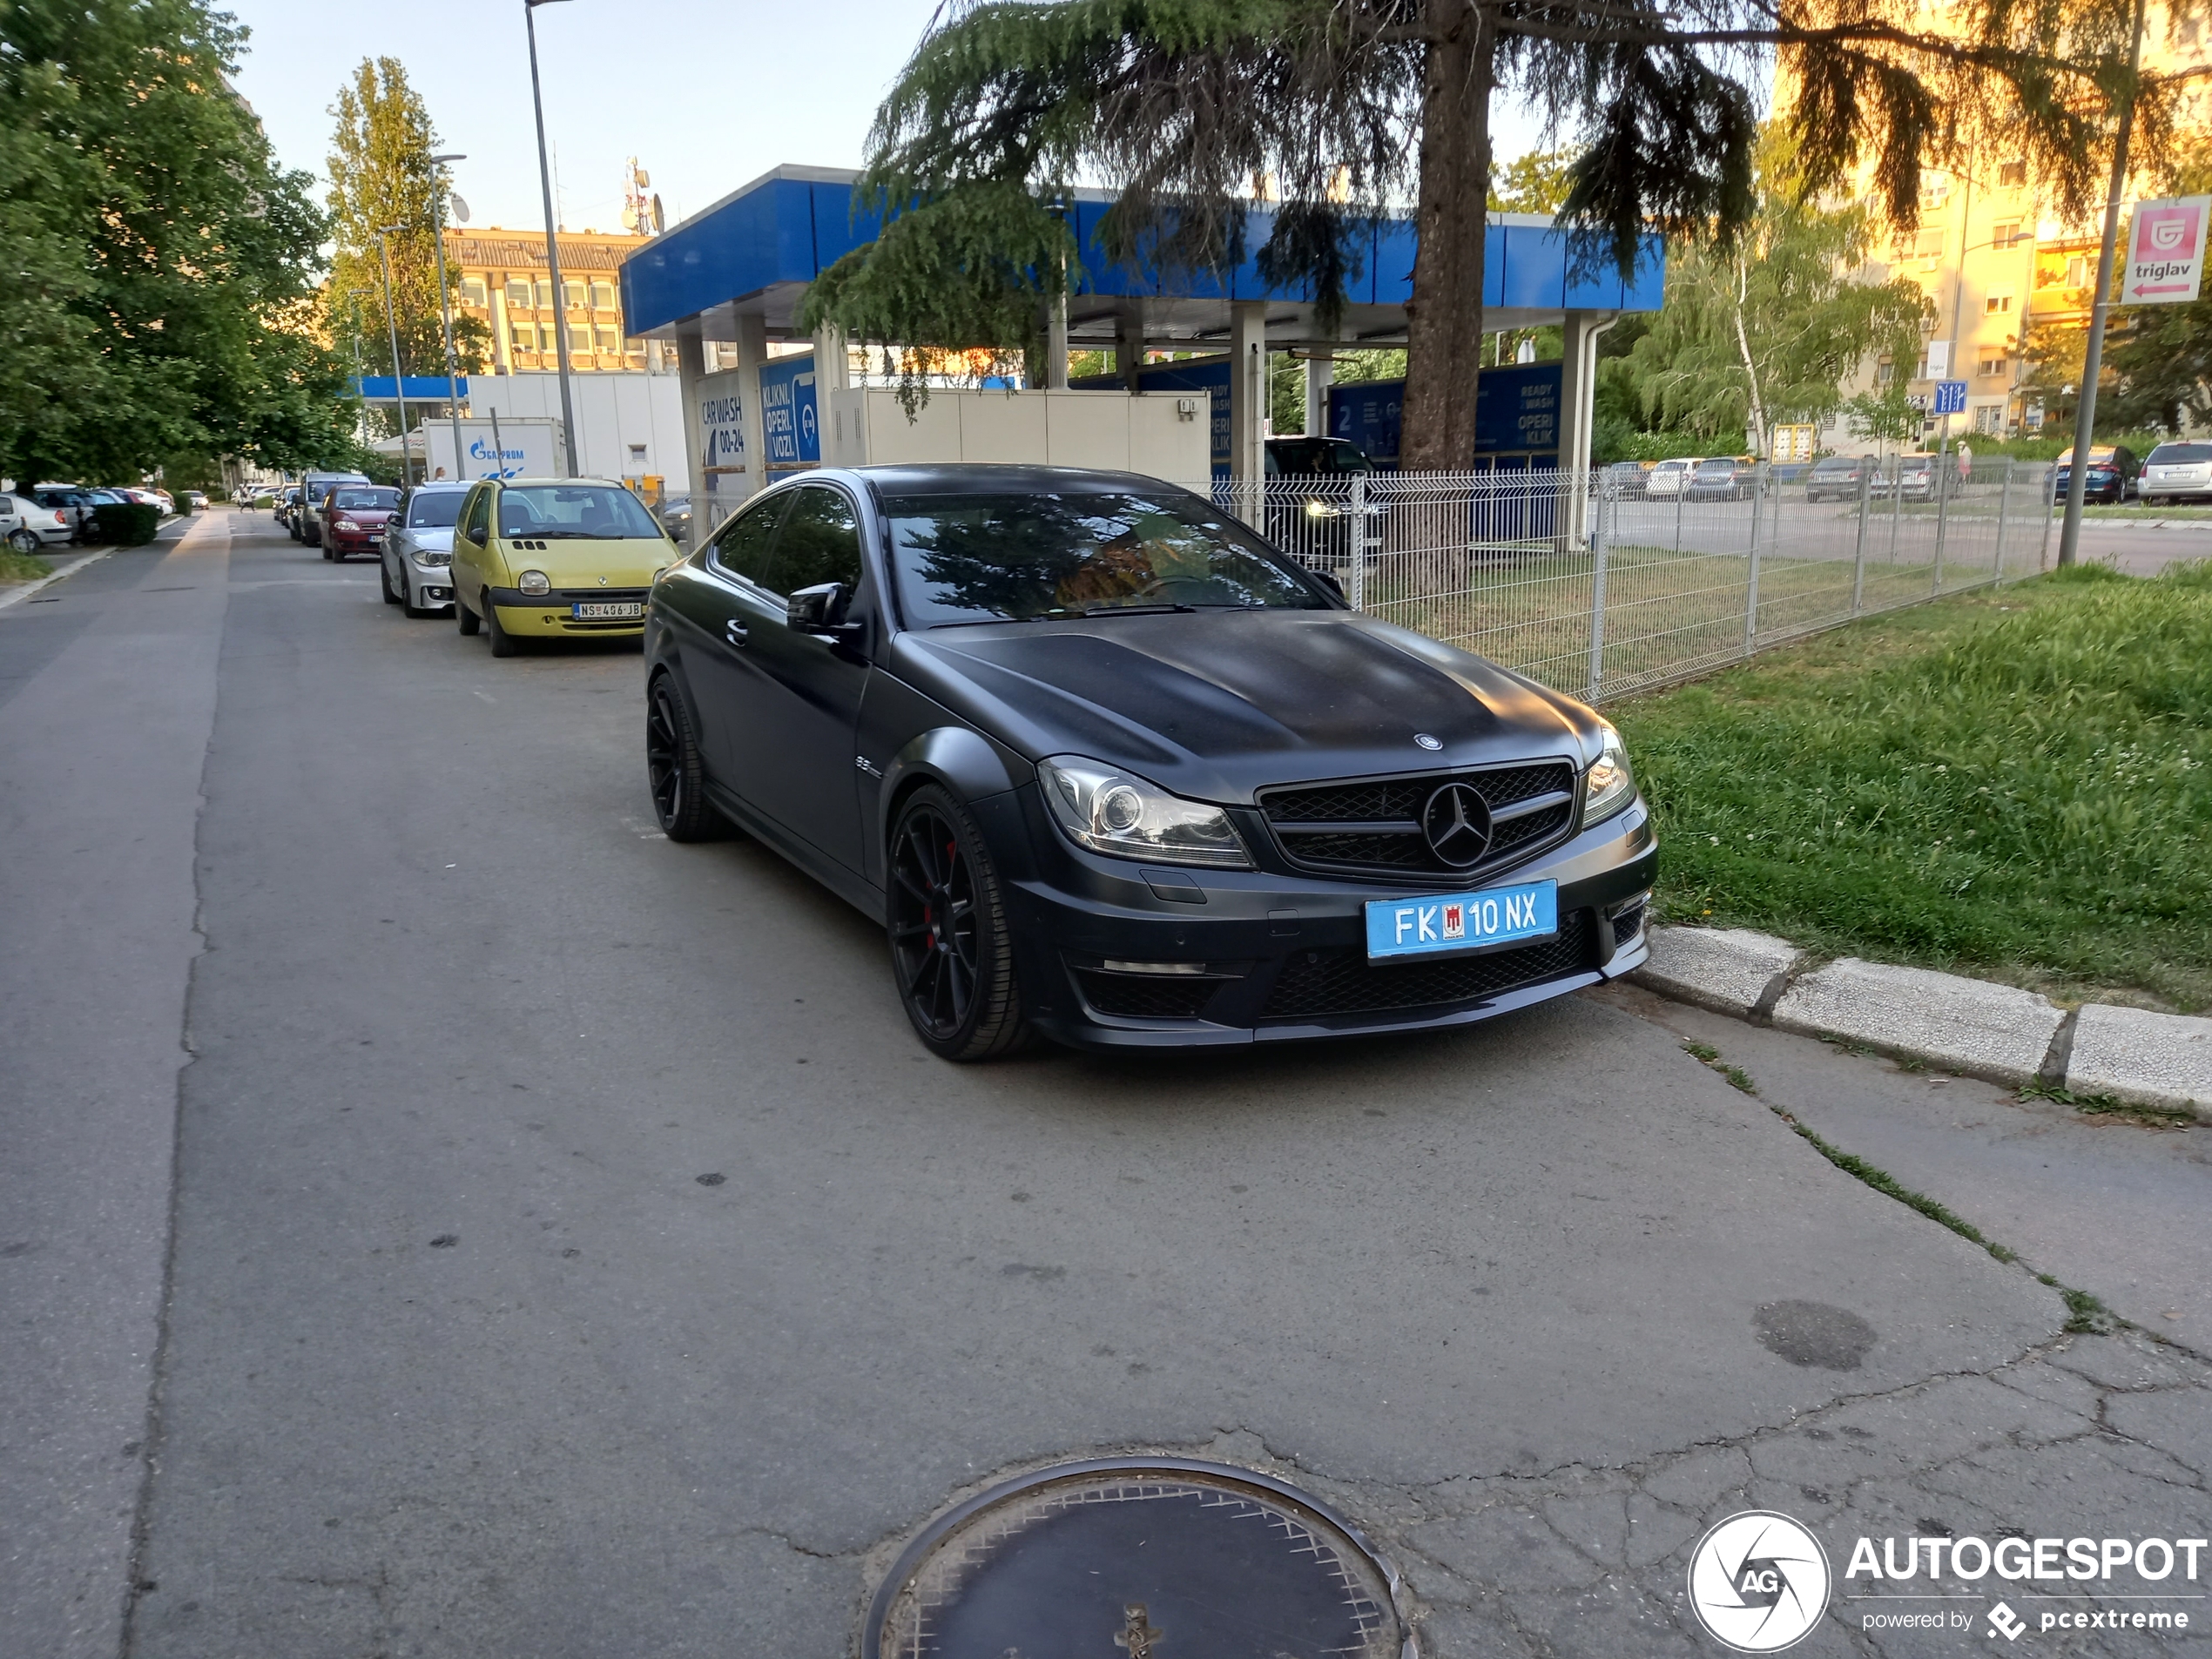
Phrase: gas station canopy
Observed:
(753, 253)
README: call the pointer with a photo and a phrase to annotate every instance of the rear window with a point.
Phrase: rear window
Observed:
(436, 509)
(1836, 463)
(2181, 455)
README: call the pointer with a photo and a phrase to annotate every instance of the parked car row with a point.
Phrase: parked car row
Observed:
(965, 699)
(50, 514)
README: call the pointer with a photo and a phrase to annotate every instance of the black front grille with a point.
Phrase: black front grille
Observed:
(1314, 983)
(1374, 824)
(1147, 997)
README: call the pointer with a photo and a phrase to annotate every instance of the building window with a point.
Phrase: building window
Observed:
(2011, 175)
(610, 341)
(525, 337)
(518, 293)
(1993, 363)
(1928, 247)
(1935, 190)
(1989, 419)
(602, 296)
(2187, 31)
(1997, 305)
(2006, 235)
(579, 339)
(577, 295)
(1885, 373)
(473, 294)
(2078, 270)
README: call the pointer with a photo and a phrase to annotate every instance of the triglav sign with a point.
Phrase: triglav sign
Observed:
(2165, 251)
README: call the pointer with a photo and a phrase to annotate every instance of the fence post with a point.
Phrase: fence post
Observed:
(1682, 495)
(1359, 594)
(2046, 497)
(1751, 593)
(1859, 554)
(1896, 504)
(1601, 535)
(1943, 502)
(2004, 504)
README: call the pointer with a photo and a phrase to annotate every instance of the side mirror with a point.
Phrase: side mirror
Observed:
(1328, 582)
(820, 609)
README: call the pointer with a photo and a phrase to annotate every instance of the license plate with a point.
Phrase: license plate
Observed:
(1444, 923)
(606, 610)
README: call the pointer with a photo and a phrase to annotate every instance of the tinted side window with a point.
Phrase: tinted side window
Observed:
(820, 543)
(741, 546)
(479, 517)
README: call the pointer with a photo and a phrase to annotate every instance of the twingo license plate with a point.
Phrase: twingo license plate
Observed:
(1444, 923)
(606, 610)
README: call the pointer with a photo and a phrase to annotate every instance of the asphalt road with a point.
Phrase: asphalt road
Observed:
(537, 1238)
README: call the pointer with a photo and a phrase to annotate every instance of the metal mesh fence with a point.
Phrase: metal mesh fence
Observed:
(1600, 586)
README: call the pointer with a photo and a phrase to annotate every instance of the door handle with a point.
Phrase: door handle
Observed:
(736, 631)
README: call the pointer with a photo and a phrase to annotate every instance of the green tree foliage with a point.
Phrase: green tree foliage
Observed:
(1766, 328)
(380, 174)
(1352, 108)
(161, 263)
(1538, 182)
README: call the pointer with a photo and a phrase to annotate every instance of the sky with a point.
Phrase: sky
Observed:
(707, 94)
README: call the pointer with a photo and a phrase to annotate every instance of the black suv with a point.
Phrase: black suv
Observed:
(1108, 767)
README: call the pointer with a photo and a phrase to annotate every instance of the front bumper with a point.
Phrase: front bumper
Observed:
(1281, 955)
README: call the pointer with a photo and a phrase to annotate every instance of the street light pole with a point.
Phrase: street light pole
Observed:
(552, 243)
(384, 234)
(445, 304)
(2085, 412)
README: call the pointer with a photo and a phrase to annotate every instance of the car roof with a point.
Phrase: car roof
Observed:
(610, 483)
(442, 484)
(960, 478)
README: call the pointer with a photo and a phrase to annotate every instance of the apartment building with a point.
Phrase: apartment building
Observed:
(1996, 264)
(504, 278)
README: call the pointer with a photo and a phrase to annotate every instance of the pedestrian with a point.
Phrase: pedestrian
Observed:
(1966, 461)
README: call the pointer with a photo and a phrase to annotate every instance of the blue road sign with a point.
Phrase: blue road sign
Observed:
(1951, 397)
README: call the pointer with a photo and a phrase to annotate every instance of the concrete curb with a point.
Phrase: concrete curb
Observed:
(16, 596)
(1969, 1026)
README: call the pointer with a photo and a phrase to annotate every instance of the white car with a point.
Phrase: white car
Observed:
(26, 526)
(416, 558)
(1671, 479)
(2176, 472)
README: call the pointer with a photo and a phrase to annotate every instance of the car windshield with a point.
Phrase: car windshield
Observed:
(966, 559)
(1304, 457)
(575, 513)
(436, 509)
(365, 500)
(1837, 463)
(2180, 455)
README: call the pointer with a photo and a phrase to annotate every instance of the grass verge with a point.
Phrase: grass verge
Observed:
(22, 567)
(2010, 783)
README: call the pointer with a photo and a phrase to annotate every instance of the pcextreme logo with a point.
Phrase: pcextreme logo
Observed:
(1758, 1582)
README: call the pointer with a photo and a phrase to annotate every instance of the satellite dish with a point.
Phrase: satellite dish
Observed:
(460, 210)
(644, 178)
(660, 219)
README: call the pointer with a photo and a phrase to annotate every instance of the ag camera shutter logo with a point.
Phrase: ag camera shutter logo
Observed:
(1758, 1582)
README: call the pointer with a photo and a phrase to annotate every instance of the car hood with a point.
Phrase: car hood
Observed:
(625, 561)
(1216, 704)
(430, 540)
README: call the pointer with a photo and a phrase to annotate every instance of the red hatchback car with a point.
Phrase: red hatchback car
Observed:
(354, 516)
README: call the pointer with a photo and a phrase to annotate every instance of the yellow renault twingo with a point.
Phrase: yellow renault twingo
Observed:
(553, 558)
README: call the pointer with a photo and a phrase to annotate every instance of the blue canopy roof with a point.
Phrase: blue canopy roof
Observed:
(754, 252)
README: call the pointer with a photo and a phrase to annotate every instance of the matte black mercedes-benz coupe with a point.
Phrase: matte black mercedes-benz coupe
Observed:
(1110, 769)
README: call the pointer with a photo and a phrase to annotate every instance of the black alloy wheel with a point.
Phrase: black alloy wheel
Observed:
(674, 768)
(952, 953)
(502, 643)
(464, 618)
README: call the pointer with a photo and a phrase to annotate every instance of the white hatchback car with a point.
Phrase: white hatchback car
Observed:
(417, 554)
(2177, 472)
(26, 526)
(1669, 480)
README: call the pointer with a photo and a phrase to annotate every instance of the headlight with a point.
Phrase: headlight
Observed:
(430, 559)
(1111, 812)
(344, 524)
(1608, 786)
(534, 582)
(1323, 509)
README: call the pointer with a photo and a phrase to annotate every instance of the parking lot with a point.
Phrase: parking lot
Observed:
(541, 1238)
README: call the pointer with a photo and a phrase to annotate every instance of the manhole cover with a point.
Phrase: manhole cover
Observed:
(1152, 1559)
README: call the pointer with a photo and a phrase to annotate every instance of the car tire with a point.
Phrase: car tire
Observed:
(502, 643)
(24, 540)
(951, 950)
(384, 582)
(464, 618)
(674, 770)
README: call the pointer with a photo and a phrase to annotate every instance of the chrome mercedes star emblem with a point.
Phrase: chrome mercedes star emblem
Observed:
(1427, 741)
(1457, 823)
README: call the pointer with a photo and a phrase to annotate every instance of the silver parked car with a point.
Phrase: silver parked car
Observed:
(417, 554)
(26, 526)
(2177, 472)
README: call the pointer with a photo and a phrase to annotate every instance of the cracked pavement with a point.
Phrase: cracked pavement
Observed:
(574, 1255)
